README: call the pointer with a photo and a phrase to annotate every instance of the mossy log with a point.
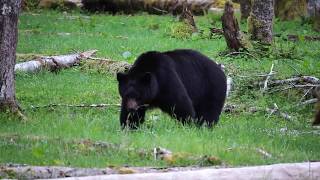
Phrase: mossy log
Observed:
(289, 10)
(260, 21)
(198, 7)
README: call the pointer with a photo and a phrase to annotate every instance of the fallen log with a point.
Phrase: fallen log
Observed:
(306, 170)
(19, 171)
(53, 63)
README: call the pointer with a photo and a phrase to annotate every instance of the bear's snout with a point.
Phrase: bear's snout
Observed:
(132, 104)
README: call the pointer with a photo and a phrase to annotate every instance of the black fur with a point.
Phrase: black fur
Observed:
(183, 83)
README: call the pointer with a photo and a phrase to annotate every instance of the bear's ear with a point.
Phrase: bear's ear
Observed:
(121, 76)
(146, 78)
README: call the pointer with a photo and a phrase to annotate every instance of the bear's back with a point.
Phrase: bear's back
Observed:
(201, 75)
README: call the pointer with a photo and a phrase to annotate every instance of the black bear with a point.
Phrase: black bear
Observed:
(184, 83)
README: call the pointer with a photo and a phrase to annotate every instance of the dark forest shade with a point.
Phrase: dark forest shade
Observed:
(153, 7)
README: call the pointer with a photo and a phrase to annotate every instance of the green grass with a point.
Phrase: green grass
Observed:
(51, 135)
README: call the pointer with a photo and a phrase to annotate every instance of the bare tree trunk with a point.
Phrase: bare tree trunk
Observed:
(9, 10)
(260, 20)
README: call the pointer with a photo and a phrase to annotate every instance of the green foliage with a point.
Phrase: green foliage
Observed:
(30, 4)
(180, 30)
(51, 136)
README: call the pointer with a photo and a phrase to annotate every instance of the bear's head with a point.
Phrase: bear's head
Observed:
(137, 90)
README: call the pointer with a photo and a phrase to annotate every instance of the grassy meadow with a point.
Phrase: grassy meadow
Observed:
(51, 135)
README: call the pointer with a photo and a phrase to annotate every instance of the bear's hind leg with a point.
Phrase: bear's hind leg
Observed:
(209, 116)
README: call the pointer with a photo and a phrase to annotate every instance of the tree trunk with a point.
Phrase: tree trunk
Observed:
(9, 10)
(260, 21)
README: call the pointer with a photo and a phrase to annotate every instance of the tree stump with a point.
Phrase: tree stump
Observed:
(187, 17)
(231, 27)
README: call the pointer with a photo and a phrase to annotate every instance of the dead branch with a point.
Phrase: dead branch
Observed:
(310, 101)
(102, 59)
(236, 53)
(310, 86)
(267, 79)
(264, 153)
(301, 79)
(53, 63)
(228, 108)
(75, 105)
(275, 110)
(256, 75)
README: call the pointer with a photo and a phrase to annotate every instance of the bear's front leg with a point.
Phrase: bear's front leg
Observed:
(131, 119)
